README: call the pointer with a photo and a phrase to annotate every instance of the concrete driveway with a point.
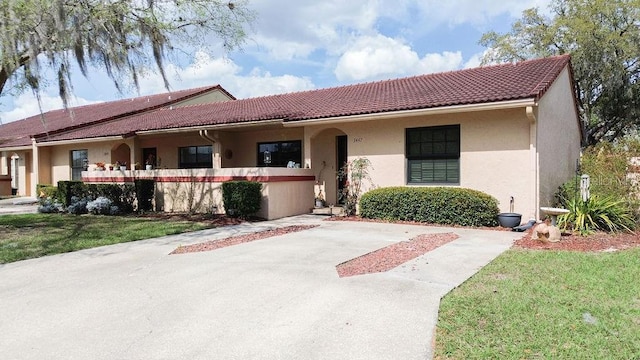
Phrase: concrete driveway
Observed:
(276, 298)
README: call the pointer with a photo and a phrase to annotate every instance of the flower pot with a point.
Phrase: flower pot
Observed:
(123, 168)
(509, 220)
(149, 167)
(319, 203)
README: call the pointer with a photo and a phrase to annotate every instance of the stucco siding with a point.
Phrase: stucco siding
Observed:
(494, 154)
(558, 138)
(210, 97)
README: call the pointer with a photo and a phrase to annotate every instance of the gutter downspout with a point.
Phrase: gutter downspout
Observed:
(533, 166)
(216, 147)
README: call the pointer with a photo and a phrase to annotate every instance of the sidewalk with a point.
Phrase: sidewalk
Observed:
(18, 205)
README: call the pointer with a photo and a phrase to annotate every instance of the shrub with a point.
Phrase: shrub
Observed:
(241, 198)
(46, 191)
(49, 206)
(354, 174)
(78, 205)
(69, 189)
(597, 213)
(99, 206)
(121, 195)
(437, 205)
(144, 193)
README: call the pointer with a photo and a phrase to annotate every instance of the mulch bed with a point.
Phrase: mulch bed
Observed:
(391, 256)
(214, 220)
(404, 222)
(596, 242)
(240, 239)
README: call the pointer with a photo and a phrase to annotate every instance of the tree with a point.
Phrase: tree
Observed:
(124, 37)
(603, 38)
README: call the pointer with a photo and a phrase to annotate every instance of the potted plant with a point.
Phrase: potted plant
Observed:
(150, 162)
(319, 199)
(100, 166)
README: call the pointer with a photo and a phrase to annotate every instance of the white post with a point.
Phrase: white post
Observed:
(584, 187)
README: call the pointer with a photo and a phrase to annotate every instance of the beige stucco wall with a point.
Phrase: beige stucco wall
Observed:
(283, 194)
(210, 97)
(558, 137)
(494, 154)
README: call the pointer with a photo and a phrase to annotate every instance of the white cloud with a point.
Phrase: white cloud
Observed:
(206, 71)
(26, 105)
(379, 57)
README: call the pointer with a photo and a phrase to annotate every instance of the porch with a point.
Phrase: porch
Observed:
(285, 191)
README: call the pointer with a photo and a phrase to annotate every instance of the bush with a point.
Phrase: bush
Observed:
(46, 191)
(100, 206)
(69, 189)
(49, 206)
(241, 198)
(597, 213)
(437, 205)
(78, 205)
(121, 195)
(144, 193)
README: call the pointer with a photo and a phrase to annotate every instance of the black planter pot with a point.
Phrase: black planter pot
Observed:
(509, 220)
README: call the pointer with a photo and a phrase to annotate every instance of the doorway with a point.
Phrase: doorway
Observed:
(341, 160)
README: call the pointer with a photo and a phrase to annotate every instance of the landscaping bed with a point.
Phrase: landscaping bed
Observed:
(599, 241)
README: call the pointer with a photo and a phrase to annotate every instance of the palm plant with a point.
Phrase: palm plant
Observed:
(597, 213)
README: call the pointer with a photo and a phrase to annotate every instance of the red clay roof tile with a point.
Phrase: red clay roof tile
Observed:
(80, 116)
(524, 80)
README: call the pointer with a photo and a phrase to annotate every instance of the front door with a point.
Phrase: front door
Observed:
(341, 160)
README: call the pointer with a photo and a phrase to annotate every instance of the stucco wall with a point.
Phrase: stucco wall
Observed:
(558, 137)
(210, 97)
(285, 191)
(494, 154)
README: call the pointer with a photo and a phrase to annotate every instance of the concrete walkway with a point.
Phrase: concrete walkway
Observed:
(276, 298)
(18, 205)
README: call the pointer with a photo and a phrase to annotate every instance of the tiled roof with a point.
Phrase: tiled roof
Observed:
(524, 80)
(18, 133)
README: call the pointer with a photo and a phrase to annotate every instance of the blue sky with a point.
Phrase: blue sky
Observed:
(307, 44)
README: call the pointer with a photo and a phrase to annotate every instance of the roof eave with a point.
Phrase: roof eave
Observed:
(210, 127)
(81, 140)
(499, 105)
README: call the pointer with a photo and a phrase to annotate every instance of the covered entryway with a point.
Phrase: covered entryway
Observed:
(328, 155)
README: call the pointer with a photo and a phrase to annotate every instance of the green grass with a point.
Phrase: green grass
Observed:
(34, 235)
(540, 304)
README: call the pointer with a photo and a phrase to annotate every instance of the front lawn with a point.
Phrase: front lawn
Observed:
(34, 235)
(530, 304)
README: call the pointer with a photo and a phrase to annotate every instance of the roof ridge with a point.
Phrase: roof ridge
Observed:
(192, 93)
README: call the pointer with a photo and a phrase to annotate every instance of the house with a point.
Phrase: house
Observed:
(510, 130)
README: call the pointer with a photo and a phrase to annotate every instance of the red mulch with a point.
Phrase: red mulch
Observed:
(596, 242)
(235, 240)
(388, 257)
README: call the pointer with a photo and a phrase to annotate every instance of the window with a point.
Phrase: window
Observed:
(193, 157)
(279, 153)
(79, 163)
(433, 154)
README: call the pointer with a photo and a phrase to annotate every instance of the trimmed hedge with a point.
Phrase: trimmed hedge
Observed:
(122, 195)
(47, 191)
(436, 205)
(69, 189)
(241, 198)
